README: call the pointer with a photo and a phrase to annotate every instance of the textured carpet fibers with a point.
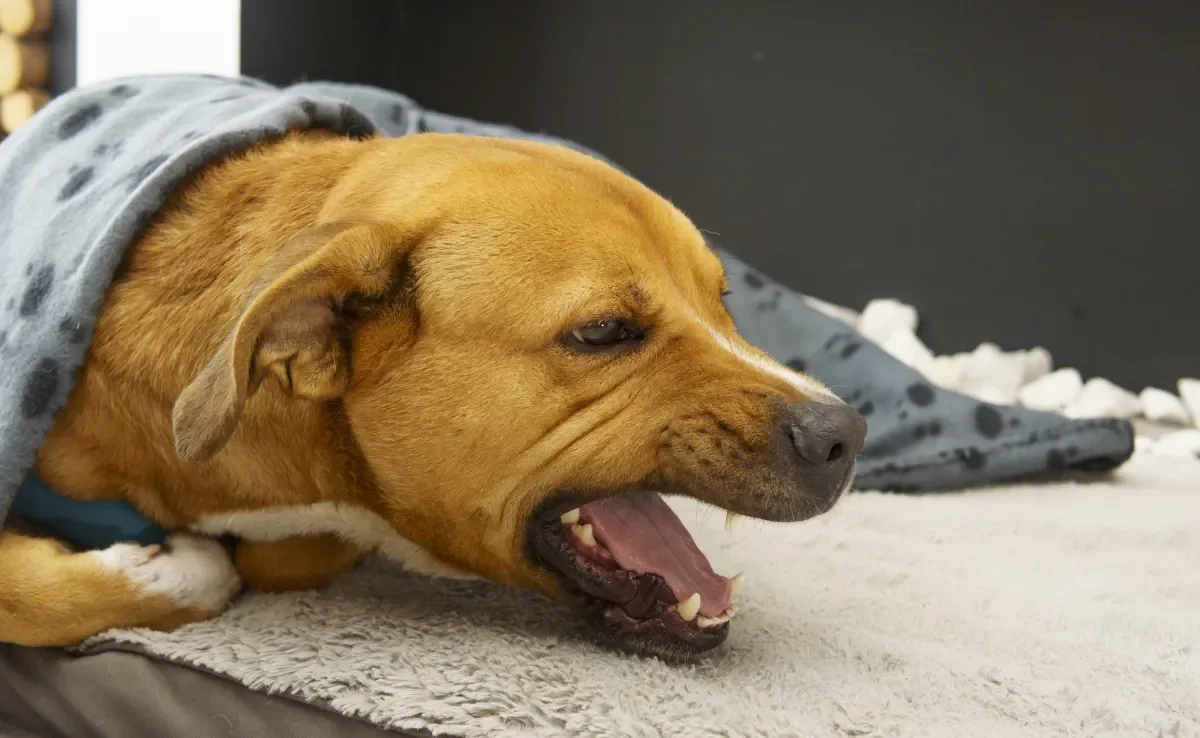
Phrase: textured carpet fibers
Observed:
(1057, 609)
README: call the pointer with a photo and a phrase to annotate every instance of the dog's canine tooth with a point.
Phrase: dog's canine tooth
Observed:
(736, 583)
(690, 607)
(584, 533)
(730, 519)
(570, 517)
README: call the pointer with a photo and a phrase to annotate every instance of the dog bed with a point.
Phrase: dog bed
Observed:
(48, 693)
(1037, 610)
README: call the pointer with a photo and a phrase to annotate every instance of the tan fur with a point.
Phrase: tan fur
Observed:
(377, 323)
(294, 563)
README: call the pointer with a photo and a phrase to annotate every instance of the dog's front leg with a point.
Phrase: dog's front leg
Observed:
(306, 562)
(51, 596)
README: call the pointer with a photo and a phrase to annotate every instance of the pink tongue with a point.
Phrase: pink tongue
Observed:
(646, 536)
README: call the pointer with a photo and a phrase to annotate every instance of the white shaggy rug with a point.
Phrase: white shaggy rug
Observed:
(1051, 610)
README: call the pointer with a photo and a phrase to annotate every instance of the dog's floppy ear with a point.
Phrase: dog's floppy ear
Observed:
(290, 327)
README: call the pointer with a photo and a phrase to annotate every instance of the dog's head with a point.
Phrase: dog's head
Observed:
(528, 348)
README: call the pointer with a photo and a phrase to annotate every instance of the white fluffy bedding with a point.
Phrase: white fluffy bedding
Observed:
(1040, 610)
(1028, 378)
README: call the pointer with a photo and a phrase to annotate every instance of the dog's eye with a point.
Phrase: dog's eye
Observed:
(602, 333)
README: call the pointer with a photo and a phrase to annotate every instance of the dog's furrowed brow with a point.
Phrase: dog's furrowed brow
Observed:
(579, 305)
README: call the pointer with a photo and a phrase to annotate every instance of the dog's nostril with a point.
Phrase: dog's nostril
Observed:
(825, 435)
(835, 453)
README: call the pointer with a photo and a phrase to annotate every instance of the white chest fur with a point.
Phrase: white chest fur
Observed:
(350, 523)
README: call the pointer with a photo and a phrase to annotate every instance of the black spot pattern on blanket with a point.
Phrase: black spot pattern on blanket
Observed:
(920, 393)
(355, 124)
(772, 303)
(76, 122)
(36, 291)
(796, 364)
(80, 179)
(753, 281)
(988, 421)
(40, 387)
(123, 91)
(398, 115)
(73, 330)
(1055, 460)
(970, 457)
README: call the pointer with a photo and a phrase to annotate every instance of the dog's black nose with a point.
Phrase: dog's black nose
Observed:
(826, 436)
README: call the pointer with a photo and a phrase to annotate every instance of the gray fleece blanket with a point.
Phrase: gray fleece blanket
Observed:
(81, 181)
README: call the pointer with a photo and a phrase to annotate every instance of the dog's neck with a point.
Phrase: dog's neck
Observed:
(114, 438)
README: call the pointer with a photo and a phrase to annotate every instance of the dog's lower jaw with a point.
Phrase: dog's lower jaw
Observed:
(622, 633)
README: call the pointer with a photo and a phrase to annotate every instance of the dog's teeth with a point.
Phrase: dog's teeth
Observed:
(584, 533)
(570, 517)
(704, 622)
(690, 607)
(724, 617)
(730, 519)
(736, 583)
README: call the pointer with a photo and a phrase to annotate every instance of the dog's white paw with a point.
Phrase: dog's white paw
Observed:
(125, 556)
(193, 571)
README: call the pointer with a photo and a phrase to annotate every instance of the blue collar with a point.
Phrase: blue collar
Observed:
(87, 525)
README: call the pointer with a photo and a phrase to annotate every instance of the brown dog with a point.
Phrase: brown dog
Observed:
(479, 357)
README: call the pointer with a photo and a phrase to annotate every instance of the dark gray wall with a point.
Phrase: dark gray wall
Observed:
(62, 45)
(1023, 172)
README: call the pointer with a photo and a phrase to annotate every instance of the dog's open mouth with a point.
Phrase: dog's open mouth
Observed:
(640, 572)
